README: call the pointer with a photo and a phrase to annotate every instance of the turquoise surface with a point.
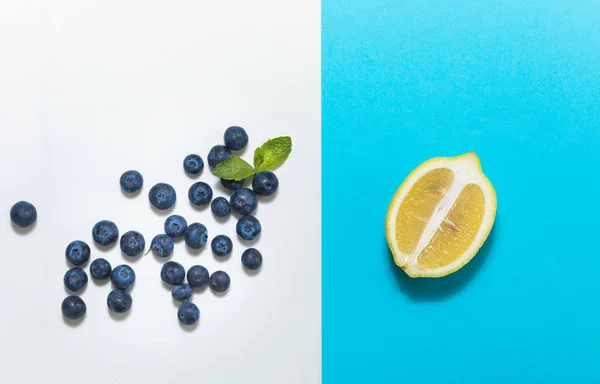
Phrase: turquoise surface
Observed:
(518, 82)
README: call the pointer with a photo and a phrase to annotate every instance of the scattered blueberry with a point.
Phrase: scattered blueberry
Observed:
(219, 281)
(172, 273)
(243, 201)
(73, 307)
(188, 313)
(175, 226)
(252, 259)
(197, 276)
(105, 232)
(193, 164)
(233, 184)
(200, 193)
(220, 207)
(122, 276)
(235, 138)
(248, 227)
(100, 269)
(182, 292)
(265, 183)
(162, 245)
(75, 279)
(196, 235)
(77, 252)
(23, 214)
(162, 196)
(131, 181)
(217, 155)
(132, 243)
(221, 245)
(119, 301)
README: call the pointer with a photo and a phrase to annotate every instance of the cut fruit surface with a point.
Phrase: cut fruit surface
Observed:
(440, 216)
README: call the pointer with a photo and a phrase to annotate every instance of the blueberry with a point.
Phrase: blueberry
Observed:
(172, 273)
(75, 279)
(221, 245)
(131, 181)
(175, 226)
(217, 155)
(132, 243)
(200, 193)
(265, 183)
(77, 252)
(193, 164)
(220, 207)
(197, 276)
(182, 292)
(188, 313)
(23, 214)
(219, 281)
(243, 201)
(73, 307)
(119, 301)
(235, 138)
(233, 184)
(252, 259)
(248, 227)
(196, 235)
(100, 269)
(162, 196)
(162, 245)
(122, 276)
(105, 232)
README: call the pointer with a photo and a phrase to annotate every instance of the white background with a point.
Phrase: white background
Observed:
(89, 89)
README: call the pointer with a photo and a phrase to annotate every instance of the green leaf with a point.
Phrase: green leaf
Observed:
(272, 154)
(234, 168)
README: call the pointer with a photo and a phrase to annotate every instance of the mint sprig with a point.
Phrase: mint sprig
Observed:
(268, 156)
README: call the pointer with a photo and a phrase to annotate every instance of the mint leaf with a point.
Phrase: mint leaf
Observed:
(272, 153)
(234, 168)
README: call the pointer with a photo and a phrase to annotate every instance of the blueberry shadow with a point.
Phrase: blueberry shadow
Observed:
(167, 286)
(193, 175)
(119, 316)
(221, 219)
(189, 328)
(78, 293)
(105, 248)
(433, 289)
(268, 199)
(176, 303)
(100, 283)
(200, 289)
(82, 266)
(162, 211)
(222, 259)
(73, 323)
(200, 208)
(220, 294)
(250, 272)
(162, 259)
(133, 259)
(23, 231)
(132, 195)
(195, 252)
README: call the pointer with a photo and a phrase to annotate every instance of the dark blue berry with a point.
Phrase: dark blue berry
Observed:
(265, 183)
(175, 226)
(77, 252)
(132, 243)
(100, 269)
(220, 207)
(197, 276)
(23, 214)
(217, 155)
(172, 273)
(188, 313)
(182, 292)
(75, 279)
(162, 245)
(131, 181)
(235, 138)
(233, 184)
(193, 164)
(252, 259)
(105, 232)
(73, 307)
(162, 196)
(196, 235)
(243, 201)
(248, 227)
(219, 281)
(122, 276)
(200, 193)
(119, 301)
(221, 245)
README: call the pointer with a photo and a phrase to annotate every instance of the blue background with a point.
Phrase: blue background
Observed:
(518, 82)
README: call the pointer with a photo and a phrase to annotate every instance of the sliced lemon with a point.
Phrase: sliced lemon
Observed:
(440, 216)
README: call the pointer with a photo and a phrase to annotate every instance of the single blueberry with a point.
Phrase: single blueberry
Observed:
(196, 235)
(219, 281)
(265, 183)
(23, 214)
(73, 307)
(235, 138)
(77, 252)
(220, 207)
(188, 313)
(105, 232)
(119, 301)
(75, 279)
(217, 155)
(221, 245)
(197, 276)
(162, 245)
(200, 193)
(172, 273)
(233, 184)
(162, 196)
(100, 269)
(132, 243)
(243, 201)
(182, 292)
(122, 276)
(193, 164)
(248, 227)
(175, 226)
(131, 181)
(252, 259)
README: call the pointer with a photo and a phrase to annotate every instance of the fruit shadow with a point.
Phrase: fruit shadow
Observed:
(267, 199)
(433, 289)
(162, 212)
(131, 195)
(105, 248)
(199, 208)
(73, 323)
(23, 231)
(119, 316)
(222, 259)
(189, 328)
(250, 272)
(133, 259)
(100, 283)
(78, 293)
(195, 252)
